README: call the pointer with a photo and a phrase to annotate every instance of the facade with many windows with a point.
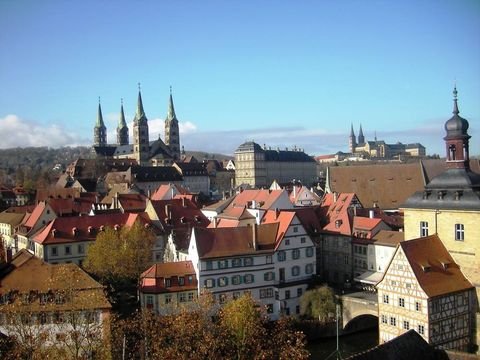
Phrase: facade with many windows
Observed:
(423, 289)
(273, 262)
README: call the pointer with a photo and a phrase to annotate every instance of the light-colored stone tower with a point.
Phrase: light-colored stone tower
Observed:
(141, 147)
(172, 134)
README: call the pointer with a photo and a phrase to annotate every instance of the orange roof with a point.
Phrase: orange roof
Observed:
(236, 212)
(264, 198)
(436, 271)
(389, 238)
(182, 213)
(339, 214)
(37, 212)
(224, 223)
(164, 192)
(283, 218)
(224, 242)
(179, 268)
(365, 223)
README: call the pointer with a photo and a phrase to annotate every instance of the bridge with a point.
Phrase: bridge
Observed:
(358, 304)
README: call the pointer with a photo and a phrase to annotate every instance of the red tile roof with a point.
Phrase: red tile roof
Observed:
(224, 242)
(153, 279)
(35, 216)
(182, 213)
(282, 218)
(164, 192)
(436, 271)
(264, 198)
(389, 238)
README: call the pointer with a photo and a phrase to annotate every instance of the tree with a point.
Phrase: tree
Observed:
(120, 255)
(318, 303)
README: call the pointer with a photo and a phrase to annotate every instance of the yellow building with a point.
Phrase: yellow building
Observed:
(450, 204)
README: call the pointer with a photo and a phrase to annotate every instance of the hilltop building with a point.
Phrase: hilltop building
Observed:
(380, 149)
(259, 167)
(146, 152)
(449, 205)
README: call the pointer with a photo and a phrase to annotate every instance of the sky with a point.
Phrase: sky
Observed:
(280, 73)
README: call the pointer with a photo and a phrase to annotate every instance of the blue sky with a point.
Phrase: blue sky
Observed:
(281, 73)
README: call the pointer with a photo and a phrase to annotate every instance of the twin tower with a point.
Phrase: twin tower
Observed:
(141, 142)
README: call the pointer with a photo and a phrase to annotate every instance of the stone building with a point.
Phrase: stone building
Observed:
(259, 167)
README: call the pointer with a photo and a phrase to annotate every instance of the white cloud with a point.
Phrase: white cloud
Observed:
(18, 132)
(187, 127)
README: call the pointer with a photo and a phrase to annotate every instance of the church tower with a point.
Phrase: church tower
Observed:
(141, 144)
(456, 140)
(352, 140)
(122, 129)
(99, 131)
(172, 135)
(361, 138)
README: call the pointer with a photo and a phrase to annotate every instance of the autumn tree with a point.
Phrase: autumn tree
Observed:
(318, 303)
(120, 254)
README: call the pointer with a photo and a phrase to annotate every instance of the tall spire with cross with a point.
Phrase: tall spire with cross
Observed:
(141, 146)
(361, 138)
(172, 134)
(352, 141)
(99, 131)
(122, 129)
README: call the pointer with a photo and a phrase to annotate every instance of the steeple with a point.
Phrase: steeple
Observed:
(141, 147)
(172, 133)
(140, 112)
(457, 137)
(99, 131)
(122, 129)
(361, 138)
(352, 141)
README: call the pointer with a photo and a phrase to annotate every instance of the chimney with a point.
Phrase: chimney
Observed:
(254, 204)
(335, 196)
(168, 213)
(254, 236)
(371, 214)
(215, 222)
(183, 202)
(277, 213)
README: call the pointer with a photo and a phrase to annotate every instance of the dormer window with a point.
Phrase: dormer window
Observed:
(338, 223)
(74, 231)
(440, 195)
(426, 267)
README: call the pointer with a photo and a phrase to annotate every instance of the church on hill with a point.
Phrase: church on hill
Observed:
(379, 149)
(146, 152)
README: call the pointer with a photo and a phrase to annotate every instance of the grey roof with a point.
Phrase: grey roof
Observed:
(249, 146)
(456, 126)
(155, 173)
(454, 189)
(107, 150)
(287, 155)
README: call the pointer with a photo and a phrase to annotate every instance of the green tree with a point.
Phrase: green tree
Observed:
(318, 303)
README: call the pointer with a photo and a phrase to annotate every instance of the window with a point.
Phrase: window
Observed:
(384, 319)
(281, 255)
(248, 261)
(302, 240)
(393, 321)
(401, 302)
(209, 265)
(299, 292)
(406, 325)
(236, 295)
(417, 306)
(81, 249)
(423, 228)
(269, 308)
(308, 269)
(222, 264)
(309, 251)
(223, 281)
(149, 301)
(295, 254)
(43, 318)
(248, 278)
(268, 259)
(68, 250)
(190, 296)
(181, 280)
(421, 329)
(168, 282)
(209, 283)
(287, 242)
(236, 262)
(295, 229)
(236, 279)
(182, 297)
(266, 293)
(297, 309)
(295, 271)
(54, 251)
(459, 232)
(287, 294)
(269, 276)
(385, 299)
(345, 259)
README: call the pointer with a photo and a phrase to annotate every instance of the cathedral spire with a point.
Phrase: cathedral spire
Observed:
(100, 122)
(351, 130)
(171, 109)
(140, 111)
(361, 138)
(122, 129)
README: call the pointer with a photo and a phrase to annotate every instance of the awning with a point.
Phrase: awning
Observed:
(369, 277)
